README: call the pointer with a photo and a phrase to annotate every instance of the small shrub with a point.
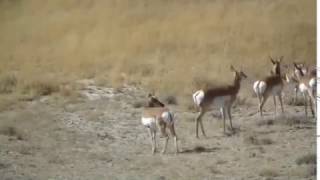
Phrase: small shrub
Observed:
(170, 100)
(253, 139)
(138, 104)
(292, 102)
(268, 172)
(307, 159)
(12, 132)
(199, 149)
(8, 83)
(267, 122)
(41, 88)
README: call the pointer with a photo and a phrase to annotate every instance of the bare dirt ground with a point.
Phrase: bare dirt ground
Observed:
(99, 136)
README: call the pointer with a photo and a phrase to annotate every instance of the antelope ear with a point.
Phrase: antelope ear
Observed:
(281, 58)
(272, 61)
(295, 65)
(232, 68)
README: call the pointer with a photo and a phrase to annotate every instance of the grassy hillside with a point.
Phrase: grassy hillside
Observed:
(162, 45)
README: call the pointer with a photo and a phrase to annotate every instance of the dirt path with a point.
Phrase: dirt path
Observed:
(100, 136)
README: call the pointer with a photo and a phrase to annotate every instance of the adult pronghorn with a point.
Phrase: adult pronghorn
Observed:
(222, 97)
(298, 73)
(158, 117)
(272, 84)
(307, 86)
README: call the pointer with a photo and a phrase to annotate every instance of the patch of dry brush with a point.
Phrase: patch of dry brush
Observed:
(168, 46)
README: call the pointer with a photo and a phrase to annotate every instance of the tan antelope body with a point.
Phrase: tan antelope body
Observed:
(155, 118)
(221, 97)
(307, 86)
(298, 73)
(270, 85)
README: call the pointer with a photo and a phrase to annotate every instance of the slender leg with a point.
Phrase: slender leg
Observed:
(264, 99)
(281, 102)
(275, 104)
(230, 118)
(224, 119)
(165, 144)
(152, 140)
(305, 104)
(311, 107)
(173, 133)
(259, 97)
(176, 144)
(199, 121)
(202, 129)
(313, 101)
(295, 95)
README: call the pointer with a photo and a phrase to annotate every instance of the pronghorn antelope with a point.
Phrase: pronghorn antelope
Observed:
(222, 97)
(272, 84)
(303, 70)
(156, 116)
(307, 86)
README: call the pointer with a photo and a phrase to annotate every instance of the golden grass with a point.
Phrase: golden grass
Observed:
(171, 47)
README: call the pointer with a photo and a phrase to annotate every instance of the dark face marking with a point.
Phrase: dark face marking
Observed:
(154, 102)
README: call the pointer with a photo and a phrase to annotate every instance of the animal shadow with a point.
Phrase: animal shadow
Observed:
(200, 149)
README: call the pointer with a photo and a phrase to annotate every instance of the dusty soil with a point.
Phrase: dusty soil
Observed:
(99, 136)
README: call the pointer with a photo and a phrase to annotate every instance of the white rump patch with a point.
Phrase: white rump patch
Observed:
(198, 97)
(149, 122)
(167, 117)
(313, 83)
(259, 87)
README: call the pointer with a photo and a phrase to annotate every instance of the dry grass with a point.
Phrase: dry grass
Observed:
(168, 46)
(291, 102)
(269, 172)
(307, 159)
(12, 132)
(253, 139)
(170, 99)
(8, 82)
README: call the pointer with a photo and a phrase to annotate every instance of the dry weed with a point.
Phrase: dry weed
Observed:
(140, 45)
(307, 159)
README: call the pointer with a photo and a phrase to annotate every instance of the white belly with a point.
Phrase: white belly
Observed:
(276, 90)
(149, 122)
(221, 101)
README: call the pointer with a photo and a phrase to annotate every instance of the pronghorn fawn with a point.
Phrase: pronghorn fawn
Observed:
(221, 97)
(158, 117)
(270, 85)
(307, 86)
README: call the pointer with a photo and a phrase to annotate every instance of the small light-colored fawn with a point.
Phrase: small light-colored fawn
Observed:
(270, 85)
(221, 97)
(157, 116)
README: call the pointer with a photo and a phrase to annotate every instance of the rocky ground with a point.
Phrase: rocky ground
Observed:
(98, 135)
